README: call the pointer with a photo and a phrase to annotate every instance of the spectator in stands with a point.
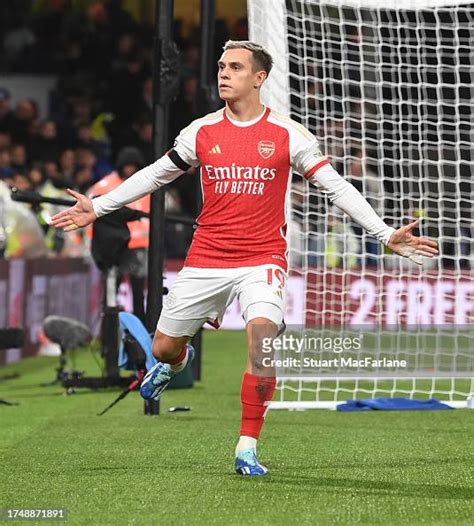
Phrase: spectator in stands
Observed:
(127, 45)
(144, 139)
(86, 140)
(67, 163)
(53, 175)
(81, 112)
(83, 178)
(45, 146)
(20, 124)
(73, 109)
(37, 177)
(84, 137)
(21, 182)
(5, 140)
(86, 157)
(71, 59)
(18, 158)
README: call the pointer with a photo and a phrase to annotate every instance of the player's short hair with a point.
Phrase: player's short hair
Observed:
(260, 55)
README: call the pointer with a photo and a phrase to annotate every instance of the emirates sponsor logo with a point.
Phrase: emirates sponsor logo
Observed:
(266, 149)
(248, 173)
(233, 179)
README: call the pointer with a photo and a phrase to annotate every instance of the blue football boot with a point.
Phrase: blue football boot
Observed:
(159, 376)
(246, 463)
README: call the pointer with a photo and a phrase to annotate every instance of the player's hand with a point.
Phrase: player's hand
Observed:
(78, 216)
(405, 243)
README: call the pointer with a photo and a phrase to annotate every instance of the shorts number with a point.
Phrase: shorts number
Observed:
(279, 276)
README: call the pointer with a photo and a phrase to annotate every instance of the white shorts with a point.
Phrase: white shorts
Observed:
(201, 295)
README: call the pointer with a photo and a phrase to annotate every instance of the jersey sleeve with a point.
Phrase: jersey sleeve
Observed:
(183, 153)
(305, 154)
(167, 168)
(307, 159)
(141, 183)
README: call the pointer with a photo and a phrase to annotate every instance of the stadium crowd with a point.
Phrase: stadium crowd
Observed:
(101, 105)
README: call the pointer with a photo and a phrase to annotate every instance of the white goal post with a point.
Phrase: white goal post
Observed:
(388, 89)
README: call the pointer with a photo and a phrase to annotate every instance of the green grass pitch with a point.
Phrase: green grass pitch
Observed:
(126, 468)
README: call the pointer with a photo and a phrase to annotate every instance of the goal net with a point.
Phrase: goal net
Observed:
(388, 89)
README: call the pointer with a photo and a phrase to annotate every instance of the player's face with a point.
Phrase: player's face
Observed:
(238, 76)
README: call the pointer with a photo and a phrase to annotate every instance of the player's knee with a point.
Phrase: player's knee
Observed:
(165, 347)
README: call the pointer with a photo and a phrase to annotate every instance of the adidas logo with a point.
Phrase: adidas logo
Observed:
(215, 149)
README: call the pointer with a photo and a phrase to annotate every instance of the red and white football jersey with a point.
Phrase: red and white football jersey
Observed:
(245, 175)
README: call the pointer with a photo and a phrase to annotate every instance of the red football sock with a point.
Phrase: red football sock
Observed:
(181, 356)
(178, 363)
(255, 391)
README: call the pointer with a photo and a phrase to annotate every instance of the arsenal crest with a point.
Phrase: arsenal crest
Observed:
(266, 149)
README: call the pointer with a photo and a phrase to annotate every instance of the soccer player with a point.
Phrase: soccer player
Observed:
(247, 153)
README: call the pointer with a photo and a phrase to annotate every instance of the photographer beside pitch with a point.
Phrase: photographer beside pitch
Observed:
(246, 152)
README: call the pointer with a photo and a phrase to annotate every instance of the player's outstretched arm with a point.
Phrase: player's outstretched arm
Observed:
(345, 196)
(405, 243)
(141, 183)
(77, 216)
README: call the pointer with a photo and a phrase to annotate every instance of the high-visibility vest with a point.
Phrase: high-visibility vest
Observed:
(139, 230)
